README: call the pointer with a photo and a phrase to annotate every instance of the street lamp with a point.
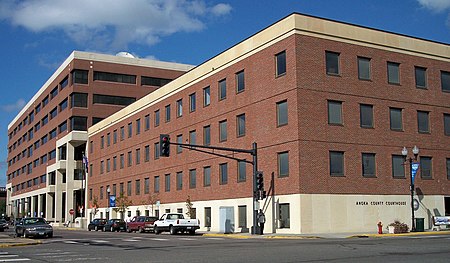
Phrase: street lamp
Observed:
(413, 166)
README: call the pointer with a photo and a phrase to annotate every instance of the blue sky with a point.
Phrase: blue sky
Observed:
(38, 35)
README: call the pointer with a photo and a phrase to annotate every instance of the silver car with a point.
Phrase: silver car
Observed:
(34, 227)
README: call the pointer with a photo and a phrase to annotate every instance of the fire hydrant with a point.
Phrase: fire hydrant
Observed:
(380, 227)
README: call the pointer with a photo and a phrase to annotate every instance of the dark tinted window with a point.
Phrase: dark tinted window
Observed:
(80, 76)
(113, 100)
(114, 77)
(150, 81)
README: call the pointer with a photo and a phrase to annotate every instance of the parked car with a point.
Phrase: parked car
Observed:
(3, 225)
(34, 227)
(115, 225)
(141, 224)
(97, 224)
(175, 222)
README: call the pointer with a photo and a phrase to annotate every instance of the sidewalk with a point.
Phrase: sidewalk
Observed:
(8, 240)
(322, 235)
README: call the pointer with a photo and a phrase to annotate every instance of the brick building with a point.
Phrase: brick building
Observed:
(330, 106)
(47, 139)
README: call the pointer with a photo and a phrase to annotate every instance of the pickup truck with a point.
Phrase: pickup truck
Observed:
(174, 223)
(141, 224)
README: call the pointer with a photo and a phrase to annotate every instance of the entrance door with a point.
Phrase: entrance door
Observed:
(226, 219)
(447, 206)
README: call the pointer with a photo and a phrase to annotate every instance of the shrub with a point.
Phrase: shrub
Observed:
(399, 227)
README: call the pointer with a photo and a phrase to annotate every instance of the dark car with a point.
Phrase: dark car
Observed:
(3, 225)
(97, 224)
(34, 227)
(115, 225)
(141, 224)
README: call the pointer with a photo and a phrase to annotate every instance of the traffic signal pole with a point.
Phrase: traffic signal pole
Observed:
(254, 162)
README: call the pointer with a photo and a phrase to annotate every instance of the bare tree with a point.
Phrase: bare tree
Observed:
(150, 202)
(94, 206)
(122, 204)
(191, 213)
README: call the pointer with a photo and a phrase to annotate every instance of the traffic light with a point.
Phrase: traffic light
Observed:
(164, 145)
(259, 181)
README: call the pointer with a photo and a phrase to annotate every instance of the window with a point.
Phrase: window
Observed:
(156, 184)
(151, 81)
(138, 126)
(445, 81)
(122, 133)
(78, 123)
(130, 129)
(423, 119)
(167, 113)
(223, 173)
(129, 188)
(222, 131)
(114, 77)
(113, 100)
(332, 63)
(368, 165)
(54, 92)
(53, 113)
(79, 100)
(207, 134)
(80, 76)
(122, 161)
(421, 77)
(147, 153)
(240, 81)
(364, 68)
(242, 215)
(147, 122)
(192, 102)
(167, 182)
(448, 168)
(62, 127)
(179, 108)
(398, 167)
(240, 125)
(38, 108)
(138, 156)
(282, 113)
(137, 189)
(280, 61)
(192, 137)
(396, 119)
(102, 167)
(115, 136)
(179, 180)
(222, 89)
(102, 142)
(96, 120)
(242, 173)
(283, 164)
(366, 115)
(336, 163)
(207, 216)
(425, 167)
(157, 118)
(192, 178)
(447, 124)
(207, 176)
(108, 139)
(108, 165)
(130, 159)
(284, 216)
(179, 140)
(121, 191)
(52, 134)
(206, 96)
(146, 185)
(114, 163)
(64, 82)
(335, 112)
(393, 73)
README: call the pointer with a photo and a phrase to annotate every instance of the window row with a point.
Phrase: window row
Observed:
(392, 70)
(368, 165)
(335, 117)
(30, 183)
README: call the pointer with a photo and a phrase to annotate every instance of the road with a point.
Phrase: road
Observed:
(84, 246)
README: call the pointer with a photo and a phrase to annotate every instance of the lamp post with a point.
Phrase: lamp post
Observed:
(412, 161)
(108, 191)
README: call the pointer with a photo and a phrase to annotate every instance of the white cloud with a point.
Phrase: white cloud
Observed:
(17, 106)
(111, 24)
(435, 5)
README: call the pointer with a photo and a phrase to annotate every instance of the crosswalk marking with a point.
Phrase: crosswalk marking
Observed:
(14, 259)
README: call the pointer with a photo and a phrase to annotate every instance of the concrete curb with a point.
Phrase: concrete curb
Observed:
(402, 234)
(237, 236)
(20, 244)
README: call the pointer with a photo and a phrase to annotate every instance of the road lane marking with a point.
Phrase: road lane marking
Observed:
(159, 239)
(215, 238)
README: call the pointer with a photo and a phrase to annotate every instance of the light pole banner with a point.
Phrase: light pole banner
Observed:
(112, 201)
(414, 168)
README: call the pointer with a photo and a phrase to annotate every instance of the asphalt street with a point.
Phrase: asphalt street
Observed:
(84, 246)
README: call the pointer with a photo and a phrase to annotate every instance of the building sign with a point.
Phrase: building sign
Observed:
(441, 220)
(381, 203)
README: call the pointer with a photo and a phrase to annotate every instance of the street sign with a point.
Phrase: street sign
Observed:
(71, 211)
